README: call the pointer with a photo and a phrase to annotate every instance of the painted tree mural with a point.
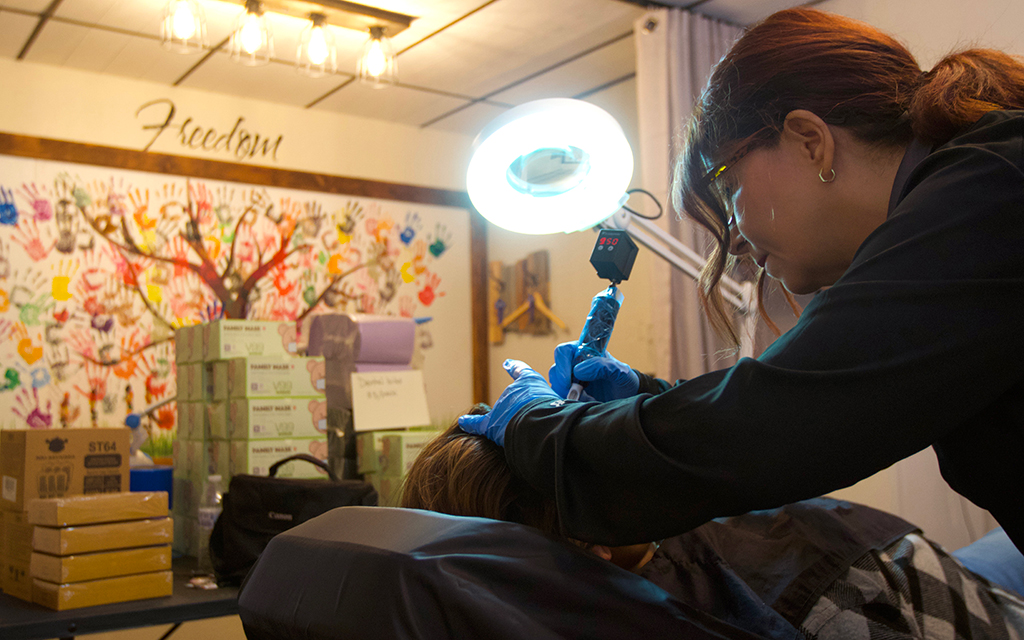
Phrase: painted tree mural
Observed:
(96, 272)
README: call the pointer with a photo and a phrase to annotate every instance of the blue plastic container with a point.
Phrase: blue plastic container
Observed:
(155, 478)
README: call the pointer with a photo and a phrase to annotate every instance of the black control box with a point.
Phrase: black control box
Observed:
(613, 255)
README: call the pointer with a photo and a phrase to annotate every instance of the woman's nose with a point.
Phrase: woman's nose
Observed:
(738, 245)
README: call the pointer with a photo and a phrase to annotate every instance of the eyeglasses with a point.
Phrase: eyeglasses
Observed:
(719, 169)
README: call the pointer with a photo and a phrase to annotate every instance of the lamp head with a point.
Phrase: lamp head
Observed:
(550, 165)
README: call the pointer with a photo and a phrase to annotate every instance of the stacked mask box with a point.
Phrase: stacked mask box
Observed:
(90, 550)
(268, 409)
(259, 357)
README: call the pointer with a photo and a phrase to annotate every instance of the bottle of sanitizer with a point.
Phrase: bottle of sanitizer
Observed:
(209, 510)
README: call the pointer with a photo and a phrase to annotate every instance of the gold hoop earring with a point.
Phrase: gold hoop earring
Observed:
(821, 175)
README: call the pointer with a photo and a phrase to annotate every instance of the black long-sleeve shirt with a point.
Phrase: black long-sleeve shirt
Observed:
(920, 343)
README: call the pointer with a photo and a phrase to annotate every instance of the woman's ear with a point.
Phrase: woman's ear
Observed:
(601, 551)
(811, 137)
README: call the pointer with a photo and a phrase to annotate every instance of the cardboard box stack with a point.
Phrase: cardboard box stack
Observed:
(99, 549)
(51, 464)
(245, 401)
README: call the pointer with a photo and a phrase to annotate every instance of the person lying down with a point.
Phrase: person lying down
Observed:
(819, 569)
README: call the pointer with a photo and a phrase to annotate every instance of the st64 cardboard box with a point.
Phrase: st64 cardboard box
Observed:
(54, 463)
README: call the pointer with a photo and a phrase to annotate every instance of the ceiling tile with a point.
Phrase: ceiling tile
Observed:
(145, 59)
(275, 82)
(15, 30)
(471, 120)
(584, 74)
(57, 43)
(142, 16)
(108, 52)
(430, 16)
(395, 104)
(37, 6)
(510, 40)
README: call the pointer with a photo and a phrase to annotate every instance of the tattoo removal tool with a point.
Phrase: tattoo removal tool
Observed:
(613, 258)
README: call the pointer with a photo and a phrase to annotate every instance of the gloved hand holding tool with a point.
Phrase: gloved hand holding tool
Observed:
(605, 378)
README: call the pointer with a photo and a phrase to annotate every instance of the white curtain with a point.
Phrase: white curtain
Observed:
(675, 52)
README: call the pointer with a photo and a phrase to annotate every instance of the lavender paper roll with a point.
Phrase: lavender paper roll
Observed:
(362, 338)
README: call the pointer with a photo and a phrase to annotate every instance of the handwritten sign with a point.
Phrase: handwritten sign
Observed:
(389, 400)
(239, 141)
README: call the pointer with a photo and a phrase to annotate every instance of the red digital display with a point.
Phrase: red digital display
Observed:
(611, 241)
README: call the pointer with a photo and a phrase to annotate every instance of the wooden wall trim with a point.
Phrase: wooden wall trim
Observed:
(478, 273)
(79, 153)
(132, 159)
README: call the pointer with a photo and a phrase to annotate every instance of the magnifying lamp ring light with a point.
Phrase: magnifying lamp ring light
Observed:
(548, 166)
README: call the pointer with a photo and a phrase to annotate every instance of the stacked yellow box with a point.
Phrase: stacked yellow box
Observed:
(89, 550)
(48, 464)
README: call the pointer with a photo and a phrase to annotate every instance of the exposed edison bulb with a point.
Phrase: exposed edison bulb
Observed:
(376, 61)
(251, 35)
(183, 26)
(317, 49)
(183, 23)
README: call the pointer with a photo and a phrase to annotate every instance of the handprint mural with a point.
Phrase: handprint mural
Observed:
(98, 266)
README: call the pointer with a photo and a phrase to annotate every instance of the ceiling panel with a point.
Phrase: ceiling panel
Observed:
(395, 104)
(511, 39)
(471, 120)
(142, 16)
(28, 5)
(274, 82)
(430, 16)
(584, 74)
(14, 32)
(57, 43)
(107, 52)
(145, 59)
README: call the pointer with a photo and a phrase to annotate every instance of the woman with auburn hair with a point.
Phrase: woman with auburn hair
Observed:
(775, 573)
(820, 151)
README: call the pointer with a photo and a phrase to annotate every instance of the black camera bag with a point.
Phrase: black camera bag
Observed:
(257, 508)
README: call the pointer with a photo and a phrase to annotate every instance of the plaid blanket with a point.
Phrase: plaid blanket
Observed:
(913, 589)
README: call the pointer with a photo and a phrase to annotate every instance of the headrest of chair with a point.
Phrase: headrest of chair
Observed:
(388, 573)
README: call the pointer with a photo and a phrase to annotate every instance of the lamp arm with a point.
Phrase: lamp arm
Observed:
(741, 295)
(738, 294)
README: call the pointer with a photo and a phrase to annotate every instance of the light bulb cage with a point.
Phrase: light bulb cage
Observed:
(377, 65)
(306, 61)
(252, 41)
(183, 32)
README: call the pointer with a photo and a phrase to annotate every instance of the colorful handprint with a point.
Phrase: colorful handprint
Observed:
(8, 212)
(39, 201)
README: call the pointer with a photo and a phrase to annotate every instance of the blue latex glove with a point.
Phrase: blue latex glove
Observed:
(527, 386)
(606, 378)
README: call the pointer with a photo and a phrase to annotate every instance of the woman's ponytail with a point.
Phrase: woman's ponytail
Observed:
(962, 88)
